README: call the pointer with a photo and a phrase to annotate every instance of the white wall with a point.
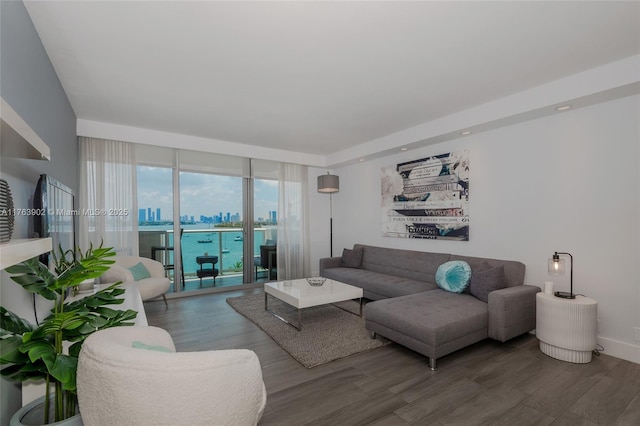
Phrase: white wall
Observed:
(569, 182)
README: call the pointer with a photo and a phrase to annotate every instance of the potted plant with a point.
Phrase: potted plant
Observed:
(49, 350)
(237, 267)
(64, 259)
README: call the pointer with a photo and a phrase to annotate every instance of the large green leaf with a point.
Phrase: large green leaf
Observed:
(106, 296)
(90, 265)
(13, 372)
(34, 277)
(64, 371)
(59, 322)
(25, 370)
(10, 351)
(74, 350)
(11, 324)
(40, 350)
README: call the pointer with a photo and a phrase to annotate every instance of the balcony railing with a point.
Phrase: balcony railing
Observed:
(226, 243)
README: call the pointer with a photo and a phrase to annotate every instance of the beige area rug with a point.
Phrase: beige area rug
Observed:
(328, 333)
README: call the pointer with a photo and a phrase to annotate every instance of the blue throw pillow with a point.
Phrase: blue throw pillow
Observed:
(453, 276)
(139, 272)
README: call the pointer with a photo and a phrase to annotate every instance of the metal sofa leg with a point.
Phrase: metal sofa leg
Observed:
(165, 300)
(432, 364)
(372, 334)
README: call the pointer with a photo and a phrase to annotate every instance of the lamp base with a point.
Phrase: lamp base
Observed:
(565, 295)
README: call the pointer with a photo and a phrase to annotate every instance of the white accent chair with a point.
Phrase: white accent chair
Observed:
(119, 384)
(150, 288)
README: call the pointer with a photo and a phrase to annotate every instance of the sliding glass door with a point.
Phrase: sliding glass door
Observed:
(207, 218)
(265, 220)
(212, 242)
(155, 216)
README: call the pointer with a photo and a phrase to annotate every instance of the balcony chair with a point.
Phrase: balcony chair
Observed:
(165, 252)
(134, 376)
(155, 285)
(268, 260)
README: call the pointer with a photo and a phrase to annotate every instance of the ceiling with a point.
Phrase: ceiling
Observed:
(316, 77)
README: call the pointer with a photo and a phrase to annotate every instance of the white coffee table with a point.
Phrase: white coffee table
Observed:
(300, 295)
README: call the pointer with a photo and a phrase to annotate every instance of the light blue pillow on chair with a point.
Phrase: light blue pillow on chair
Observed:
(141, 345)
(139, 272)
(454, 276)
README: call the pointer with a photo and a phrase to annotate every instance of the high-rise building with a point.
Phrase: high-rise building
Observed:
(158, 214)
(272, 216)
(142, 215)
(149, 214)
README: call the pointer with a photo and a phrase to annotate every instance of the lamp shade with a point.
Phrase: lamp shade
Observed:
(328, 183)
(556, 266)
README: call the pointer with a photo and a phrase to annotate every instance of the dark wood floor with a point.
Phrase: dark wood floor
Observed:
(489, 383)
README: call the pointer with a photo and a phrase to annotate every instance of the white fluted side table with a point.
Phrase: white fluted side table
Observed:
(566, 328)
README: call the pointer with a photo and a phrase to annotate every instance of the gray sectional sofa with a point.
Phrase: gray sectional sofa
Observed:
(408, 307)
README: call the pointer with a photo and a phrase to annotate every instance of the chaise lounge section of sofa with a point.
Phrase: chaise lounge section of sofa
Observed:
(409, 308)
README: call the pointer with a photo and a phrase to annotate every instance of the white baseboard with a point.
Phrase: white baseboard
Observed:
(623, 350)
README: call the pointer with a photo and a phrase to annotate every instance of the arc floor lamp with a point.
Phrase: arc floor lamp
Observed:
(329, 184)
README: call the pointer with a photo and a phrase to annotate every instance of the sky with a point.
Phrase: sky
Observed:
(202, 194)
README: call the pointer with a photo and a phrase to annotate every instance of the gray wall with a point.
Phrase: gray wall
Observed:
(30, 85)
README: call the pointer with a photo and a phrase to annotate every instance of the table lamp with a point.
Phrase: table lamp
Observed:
(556, 267)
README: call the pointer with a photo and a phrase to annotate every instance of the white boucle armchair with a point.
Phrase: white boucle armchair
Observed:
(120, 383)
(150, 288)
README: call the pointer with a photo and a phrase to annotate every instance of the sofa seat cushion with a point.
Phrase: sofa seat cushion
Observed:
(377, 285)
(433, 317)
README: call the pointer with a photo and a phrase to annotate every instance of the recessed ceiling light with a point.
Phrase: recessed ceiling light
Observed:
(403, 149)
(361, 160)
(465, 133)
(563, 107)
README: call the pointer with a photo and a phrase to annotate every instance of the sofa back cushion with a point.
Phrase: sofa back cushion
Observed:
(351, 258)
(415, 265)
(513, 270)
(485, 281)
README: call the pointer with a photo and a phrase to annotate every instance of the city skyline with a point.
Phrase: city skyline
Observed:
(148, 214)
(200, 194)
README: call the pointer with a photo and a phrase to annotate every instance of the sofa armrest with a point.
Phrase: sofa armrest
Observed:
(512, 311)
(116, 273)
(329, 262)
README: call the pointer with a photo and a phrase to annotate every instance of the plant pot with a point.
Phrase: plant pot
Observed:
(32, 414)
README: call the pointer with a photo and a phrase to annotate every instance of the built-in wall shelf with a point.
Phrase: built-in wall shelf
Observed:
(19, 250)
(18, 139)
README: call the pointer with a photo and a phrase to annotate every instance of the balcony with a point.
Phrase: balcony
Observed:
(226, 243)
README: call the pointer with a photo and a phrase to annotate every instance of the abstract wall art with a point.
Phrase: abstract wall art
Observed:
(427, 198)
